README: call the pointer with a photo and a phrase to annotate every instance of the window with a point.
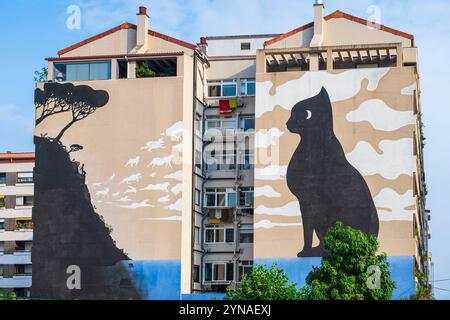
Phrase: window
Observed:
(221, 123)
(198, 197)
(100, 70)
(220, 198)
(196, 274)
(24, 224)
(245, 268)
(166, 67)
(248, 87)
(1, 271)
(247, 156)
(24, 201)
(222, 88)
(196, 235)
(198, 123)
(246, 197)
(215, 234)
(25, 177)
(216, 272)
(198, 159)
(221, 160)
(123, 69)
(2, 178)
(2, 224)
(246, 234)
(248, 123)
(246, 46)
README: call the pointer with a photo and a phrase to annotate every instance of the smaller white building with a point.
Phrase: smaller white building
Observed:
(16, 224)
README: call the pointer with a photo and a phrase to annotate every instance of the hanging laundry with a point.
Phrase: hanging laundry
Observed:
(233, 103)
(225, 108)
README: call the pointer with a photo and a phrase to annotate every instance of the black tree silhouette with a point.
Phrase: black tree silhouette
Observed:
(56, 98)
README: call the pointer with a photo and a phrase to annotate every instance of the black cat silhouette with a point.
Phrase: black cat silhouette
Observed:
(328, 187)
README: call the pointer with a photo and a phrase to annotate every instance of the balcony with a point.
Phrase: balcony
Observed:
(337, 57)
(17, 281)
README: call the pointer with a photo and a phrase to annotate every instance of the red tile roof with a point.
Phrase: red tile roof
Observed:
(336, 15)
(10, 157)
(125, 26)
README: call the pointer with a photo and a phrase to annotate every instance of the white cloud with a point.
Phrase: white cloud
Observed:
(339, 86)
(271, 173)
(381, 116)
(124, 199)
(157, 187)
(178, 176)
(266, 191)
(291, 209)
(177, 206)
(102, 193)
(175, 131)
(397, 158)
(409, 90)
(138, 205)
(177, 189)
(173, 218)
(154, 145)
(266, 224)
(392, 206)
(164, 199)
(131, 190)
(267, 138)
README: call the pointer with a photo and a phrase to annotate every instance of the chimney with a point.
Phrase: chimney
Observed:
(142, 30)
(318, 24)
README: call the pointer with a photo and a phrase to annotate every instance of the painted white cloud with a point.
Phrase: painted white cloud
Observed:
(152, 175)
(409, 90)
(96, 185)
(175, 131)
(157, 187)
(397, 158)
(102, 193)
(267, 138)
(266, 191)
(124, 199)
(159, 162)
(164, 199)
(271, 173)
(131, 190)
(178, 148)
(381, 116)
(266, 224)
(133, 178)
(339, 86)
(133, 162)
(391, 206)
(178, 176)
(177, 206)
(138, 205)
(116, 194)
(112, 177)
(154, 145)
(292, 209)
(177, 189)
(173, 218)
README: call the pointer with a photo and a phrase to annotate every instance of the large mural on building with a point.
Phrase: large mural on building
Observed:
(334, 146)
(108, 190)
(328, 187)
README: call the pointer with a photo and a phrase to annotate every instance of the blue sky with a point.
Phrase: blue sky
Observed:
(31, 30)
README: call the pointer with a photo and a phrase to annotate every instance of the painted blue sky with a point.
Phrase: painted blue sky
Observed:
(31, 30)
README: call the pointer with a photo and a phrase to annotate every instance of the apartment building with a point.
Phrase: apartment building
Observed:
(16, 225)
(176, 167)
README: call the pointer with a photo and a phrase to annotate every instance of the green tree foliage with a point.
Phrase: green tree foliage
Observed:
(423, 291)
(41, 75)
(350, 269)
(265, 284)
(8, 296)
(143, 70)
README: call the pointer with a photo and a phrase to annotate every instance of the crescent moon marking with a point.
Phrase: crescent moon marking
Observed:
(309, 114)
